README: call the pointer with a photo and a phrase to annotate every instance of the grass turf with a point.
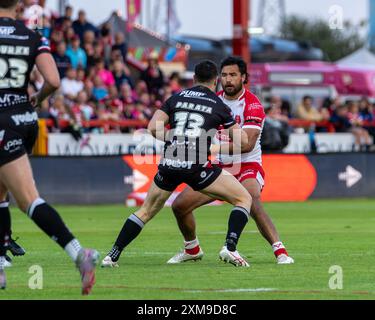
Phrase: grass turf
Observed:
(318, 234)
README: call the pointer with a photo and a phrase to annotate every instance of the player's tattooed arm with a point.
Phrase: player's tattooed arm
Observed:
(47, 67)
(157, 125)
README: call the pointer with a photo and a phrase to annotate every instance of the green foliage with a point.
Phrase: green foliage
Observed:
(335, 43)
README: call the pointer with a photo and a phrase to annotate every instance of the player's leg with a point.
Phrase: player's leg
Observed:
(5, 221)
(154, 202)
(183, 206)
(18, 178)
(227, 188)
(264, 222)
(5, 225)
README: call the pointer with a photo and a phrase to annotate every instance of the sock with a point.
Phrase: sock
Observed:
(131, 229)
(73, 248)
(5, 226)
(279, 249)
(237, 222)
(192, 247)
(47, 219)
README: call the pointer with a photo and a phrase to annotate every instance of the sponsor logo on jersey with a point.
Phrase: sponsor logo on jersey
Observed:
(9, 99)
(26, 118)
(13, 145)
(6, 31)
(177, 164)
(189, 93)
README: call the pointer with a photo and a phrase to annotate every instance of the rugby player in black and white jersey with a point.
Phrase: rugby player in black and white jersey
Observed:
(20, 50)
(194, 115)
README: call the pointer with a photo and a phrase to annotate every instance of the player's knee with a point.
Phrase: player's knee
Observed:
(178, 208)
(244, 201)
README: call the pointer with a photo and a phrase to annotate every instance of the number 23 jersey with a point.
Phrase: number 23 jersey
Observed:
(19, 48)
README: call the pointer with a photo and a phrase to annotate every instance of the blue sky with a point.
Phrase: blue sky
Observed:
(195, 19)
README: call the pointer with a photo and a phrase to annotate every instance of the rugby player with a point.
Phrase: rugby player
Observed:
(20, 50)
(194, 115)
(247, 168)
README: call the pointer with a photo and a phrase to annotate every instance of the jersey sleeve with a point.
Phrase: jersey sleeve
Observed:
(42, 45)
(254, 115)
(226, 115)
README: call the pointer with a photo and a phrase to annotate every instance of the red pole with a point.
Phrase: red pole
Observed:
(241, 29)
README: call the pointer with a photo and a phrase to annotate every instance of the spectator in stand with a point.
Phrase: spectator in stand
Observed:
(276, 131)
(62, 60)
(284, 106)
(57, 36)
(127, 95)
(69, 35)
(341, 122)
(153, 76)
(76, 54)
(106, 75)
(307, 111)
(367, 112)
(141, 87)
(70, 86)
(175, 82)
(120, 45)
(100, 91)
(89, 37)
(68, 15)
(106, 41)
(82, 110)
(354, 116)
(120, 75)
(81, 25)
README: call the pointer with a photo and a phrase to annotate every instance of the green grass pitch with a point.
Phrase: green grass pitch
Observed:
(318, 234)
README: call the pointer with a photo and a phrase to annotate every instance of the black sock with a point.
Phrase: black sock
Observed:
(131, 229)
(237, 222)
(5, 226)
(47, 219)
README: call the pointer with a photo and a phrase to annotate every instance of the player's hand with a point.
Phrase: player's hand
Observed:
(35, 101)
(215, 149)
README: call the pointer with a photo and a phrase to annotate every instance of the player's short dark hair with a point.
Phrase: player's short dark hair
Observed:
(242, 65)
(206, 71)
(7, 4)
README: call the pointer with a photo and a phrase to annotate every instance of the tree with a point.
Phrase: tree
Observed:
(335, 43)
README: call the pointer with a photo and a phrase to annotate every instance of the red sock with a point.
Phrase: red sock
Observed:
(192, 247)
(279, 249)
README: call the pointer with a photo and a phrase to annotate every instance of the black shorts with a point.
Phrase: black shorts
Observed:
(18, 132)
(199, 178)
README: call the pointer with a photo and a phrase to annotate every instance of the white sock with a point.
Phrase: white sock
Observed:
(73, 248)
(191, 244)
(2, 261)
(277, 246)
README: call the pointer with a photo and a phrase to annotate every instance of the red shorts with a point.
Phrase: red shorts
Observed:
(244, 171)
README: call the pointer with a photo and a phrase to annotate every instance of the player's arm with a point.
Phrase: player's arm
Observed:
(241, 144)
(157, 125)
(48, 69)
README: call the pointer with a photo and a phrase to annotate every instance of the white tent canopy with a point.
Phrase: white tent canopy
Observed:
(362, 58)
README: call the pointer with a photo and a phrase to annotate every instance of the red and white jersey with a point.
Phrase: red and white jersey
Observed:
(249, 113)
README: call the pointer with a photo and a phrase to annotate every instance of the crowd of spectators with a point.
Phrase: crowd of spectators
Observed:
(96, 81)
(333, 115)
(97, 84)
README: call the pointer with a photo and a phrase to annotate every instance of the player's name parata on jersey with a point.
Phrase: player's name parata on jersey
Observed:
(19, 48)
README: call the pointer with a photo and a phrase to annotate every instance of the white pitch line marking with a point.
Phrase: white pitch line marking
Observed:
(234, 290)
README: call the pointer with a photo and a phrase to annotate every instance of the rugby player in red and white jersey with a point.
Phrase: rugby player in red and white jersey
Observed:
(247, 167)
